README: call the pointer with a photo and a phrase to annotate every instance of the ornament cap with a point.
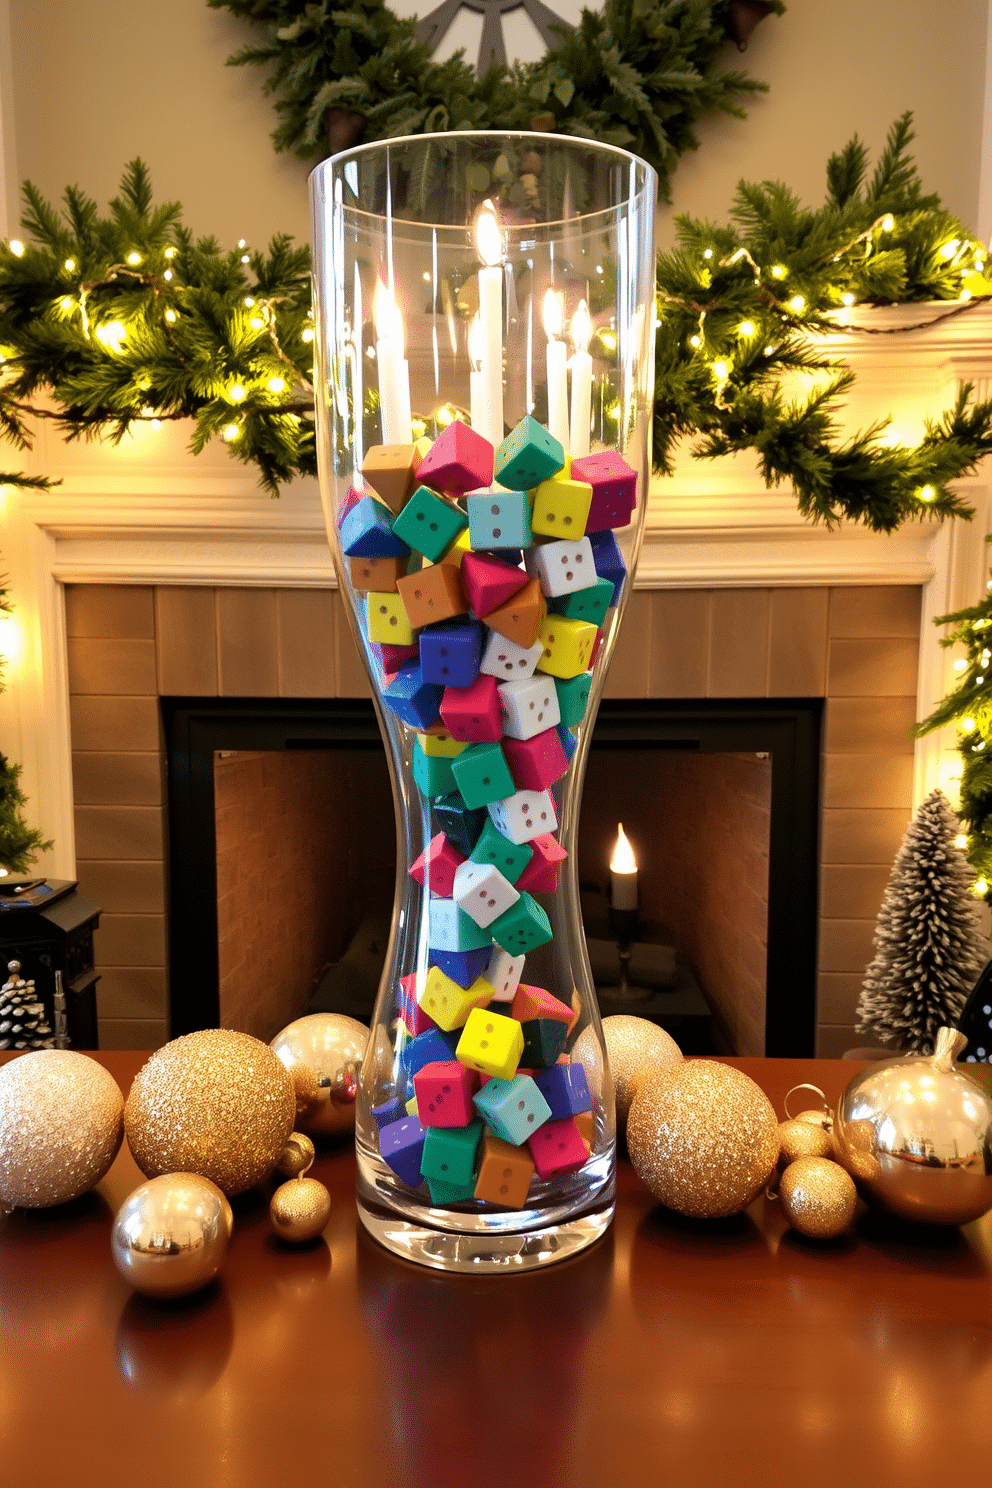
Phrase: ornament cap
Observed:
(948, 1045)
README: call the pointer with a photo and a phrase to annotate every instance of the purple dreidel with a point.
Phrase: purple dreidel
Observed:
(401, 1146)
(565, 1088)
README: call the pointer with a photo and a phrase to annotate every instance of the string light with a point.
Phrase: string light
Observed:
(980, 887)
(170, 316)
(134, 259)
(249, 301)
(888, 222)
(948, 250)
(67, 302)
(797, 304)
(708, 253)
(242, 243)
(231, 433)
(847, 298)
(70, 265)
(236, 393)
(256, 323)
(721, 370)
(16, 247)
(967, 725)
(167, 275)
(961, 841)
(960, 665)
(112, 334)
(246, 258)
(307, 334)
(695, 340)
(927, 493)
(746, 328)
(276, 384)
(778, 271)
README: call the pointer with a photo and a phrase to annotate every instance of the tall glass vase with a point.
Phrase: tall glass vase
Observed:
(485, 333)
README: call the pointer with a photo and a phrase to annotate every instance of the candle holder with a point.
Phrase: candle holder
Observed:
(485, 1129)
(625, 925)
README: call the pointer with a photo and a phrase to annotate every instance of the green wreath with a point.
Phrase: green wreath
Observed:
(637, 74)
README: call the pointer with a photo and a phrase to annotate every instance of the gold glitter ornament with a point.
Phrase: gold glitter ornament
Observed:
(802, 1139)
(170, 1235)
(61, 1124)
(330, 1047)
(299, 1210)
(297, 1155)
(703, 1137)
(634, 1046)
(818, 1198)
(217, 1103)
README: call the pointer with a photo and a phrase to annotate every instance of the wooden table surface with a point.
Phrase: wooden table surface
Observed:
(671, 1352)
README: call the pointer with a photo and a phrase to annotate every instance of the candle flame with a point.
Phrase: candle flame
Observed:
(623, 860)
(386, 317)
(554, 314)
(488, 238)
(476, 343)
(581, 327)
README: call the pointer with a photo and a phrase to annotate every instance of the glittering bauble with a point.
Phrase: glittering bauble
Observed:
(60, 1127)
(802, 1139)
(703, 1137)
(917, 1134)
(633, 1046)
(170, 1235)
(217, 1103)
(297, 1155)
(817, 1197)
(330, 1046)
(299, 1210)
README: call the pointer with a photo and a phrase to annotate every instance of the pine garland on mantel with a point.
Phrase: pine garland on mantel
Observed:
(107, 321)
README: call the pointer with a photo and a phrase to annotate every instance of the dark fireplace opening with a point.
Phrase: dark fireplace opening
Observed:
(281, 861)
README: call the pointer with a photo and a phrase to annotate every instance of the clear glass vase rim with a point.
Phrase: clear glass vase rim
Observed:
(569, 141)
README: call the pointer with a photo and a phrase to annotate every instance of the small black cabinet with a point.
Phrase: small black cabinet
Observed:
(53, 931)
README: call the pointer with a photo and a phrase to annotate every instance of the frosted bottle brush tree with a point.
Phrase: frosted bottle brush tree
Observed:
(929, 946)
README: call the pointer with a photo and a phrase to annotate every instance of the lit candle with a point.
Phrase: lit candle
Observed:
(623, 873)
(476, 385)
(394, 370)
(557, 363)
(581, 410)
(489, 246)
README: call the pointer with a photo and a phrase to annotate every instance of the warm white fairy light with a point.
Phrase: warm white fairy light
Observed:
(980, 887)
(167, 276)
(231, 432)
(948, 250)
(927, 493)
(236, 393)
(961, 841)
(967, 725)
(16, 247)
(67, 302)
(171, 252)
(134, 258)
(721, 370)
(847, 298)
(113, 334)
(746, 328)
(707, 252)
(307, 334)
(70, 266)
(170, 316)
(276, 384)
(778, 271)
(797, 304)
(888, 222)
(256, 323)
(695, 340)
(960, 665)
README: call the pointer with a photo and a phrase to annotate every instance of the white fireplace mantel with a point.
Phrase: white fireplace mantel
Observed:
(146, 512)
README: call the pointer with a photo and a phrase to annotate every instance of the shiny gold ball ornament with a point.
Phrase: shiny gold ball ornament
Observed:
(917, 1134)
(61, 1124)
(170, 1235)
(818, 1198)
(299, 1210)
(802, 1139)
(217, 1103)
(633, 1046)
(297, 1155)
(329, 1047)
(703, 1137)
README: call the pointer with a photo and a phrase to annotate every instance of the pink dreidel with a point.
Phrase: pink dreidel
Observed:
(437, 865)
(490, 583)
(394, 657)
(444, 1094)
(459, 460)
(473, 714)
(614, 488)
(556, 1147)
(544, 869)
(412, 1014)
(536, 763)
(353, 496)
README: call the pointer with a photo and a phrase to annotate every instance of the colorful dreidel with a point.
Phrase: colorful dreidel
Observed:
(444, 1195)
(432, 1047)
(509, 857)
(529, 706)
(429, 524)
(432, 594)
(413, 1017)
(461, 824)
(390, 470)
(500, 519)
(524, 815)
(568, 646)
(573, 697)
(561, 567)
(561, 507)
(417, 702)
(505, 1173)
(523, 927)
(432, 772)
(568, 741)
(482, 892)
(514, 1109)
(394, 657)
(367, 532)
(437, 742)
(503, 974)
(489, 581)
(557, 1148)
(401, 1147)
(537, 1002)
(508, 662)
(459, 460)
(448, 1004)
(451, 929)
(608, 559)
(535, 763)
(520, 618)
(449, 1153)
(614, 489)
(379, 574)
(456, 552)
(436, 866)
(444, 1094)
(352, 497)
(483, 776)
(544, 1040)
(528, 455)
(463, 967)
(565, 1088)
(544, 869)
(491, 1043)
(388, 1112)
(450, 654)
(473, 714)
(387, 620)
(585, 604)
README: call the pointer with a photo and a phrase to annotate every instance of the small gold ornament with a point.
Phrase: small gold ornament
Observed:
(299, 1210)
(818, 1198)
(633, 1046)
(917, 1134)
(218, 1103)
(329, 1047)
(61, 1124)
(297, 1155)
(170, 1235)
(802, 1139)
(703, 1137)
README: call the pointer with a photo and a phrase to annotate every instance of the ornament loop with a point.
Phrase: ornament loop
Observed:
(948, 1045)
(805, 1086)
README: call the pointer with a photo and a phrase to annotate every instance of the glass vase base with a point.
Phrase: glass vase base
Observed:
(487, 1254)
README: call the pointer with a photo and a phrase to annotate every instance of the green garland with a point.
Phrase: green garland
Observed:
(637, 73)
